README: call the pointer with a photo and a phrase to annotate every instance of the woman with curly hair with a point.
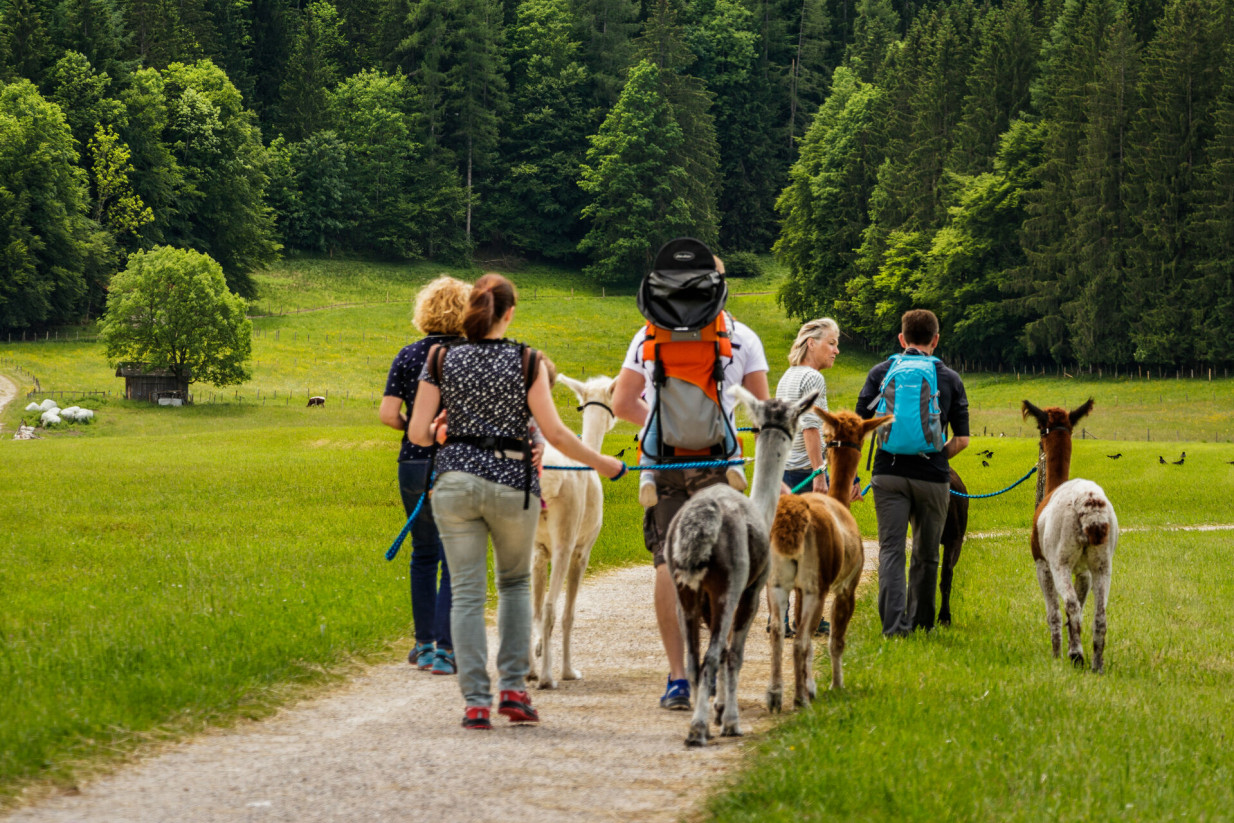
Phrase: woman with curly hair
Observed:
(438, 315)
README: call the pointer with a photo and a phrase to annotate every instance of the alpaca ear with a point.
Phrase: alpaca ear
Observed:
(874, 422)
(571, 384)
(827, 417)
(1028, 408)
(803, 405)
(748, 400)
(1078, 414)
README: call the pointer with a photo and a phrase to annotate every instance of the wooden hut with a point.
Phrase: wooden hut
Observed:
(142, 383)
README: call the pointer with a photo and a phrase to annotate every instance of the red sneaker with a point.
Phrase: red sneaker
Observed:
(476, 718)
(517, 707)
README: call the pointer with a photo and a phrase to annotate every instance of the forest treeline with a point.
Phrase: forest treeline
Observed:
(1054, 177)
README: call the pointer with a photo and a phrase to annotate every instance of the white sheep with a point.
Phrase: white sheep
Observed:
(34, 407)
(48, 405)
(50, 418)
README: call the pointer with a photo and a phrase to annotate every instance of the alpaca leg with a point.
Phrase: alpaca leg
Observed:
(578, 565)
(557, 576)
(944, 593)
(731, 721)
(1046, 580)
(1101, 594)
(539, 581)
(842, 605)
(803, 652)
(1083, 582)
(1071, 602)
(777, 604)
(719, 635)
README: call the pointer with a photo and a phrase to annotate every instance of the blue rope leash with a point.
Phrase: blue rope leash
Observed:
(700, 464)
(392, 552)
(978, 496)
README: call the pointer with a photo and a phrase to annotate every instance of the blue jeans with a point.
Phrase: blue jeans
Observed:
(430, 605)
(470, 511)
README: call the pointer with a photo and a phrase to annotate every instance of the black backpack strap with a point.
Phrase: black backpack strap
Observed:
(530, 358)
(436, 356)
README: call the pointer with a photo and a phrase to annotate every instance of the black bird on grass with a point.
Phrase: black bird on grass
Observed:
(621, 453)
(986, 453)
(1161, 460)
(1114, 456)
(1180, 460)
(987, 465)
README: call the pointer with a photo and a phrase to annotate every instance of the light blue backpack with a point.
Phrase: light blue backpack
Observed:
(910, 392)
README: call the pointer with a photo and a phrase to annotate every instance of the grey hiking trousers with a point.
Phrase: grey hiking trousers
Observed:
(470, 510)
(899, 502)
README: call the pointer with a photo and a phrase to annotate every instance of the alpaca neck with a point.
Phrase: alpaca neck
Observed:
(595, 426)
(843, 463)
(770, 458)
(1057, 460)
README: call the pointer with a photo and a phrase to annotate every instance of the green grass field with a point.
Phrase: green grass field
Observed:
(165, 568)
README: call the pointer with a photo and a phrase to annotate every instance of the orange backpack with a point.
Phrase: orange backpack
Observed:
(688, 335)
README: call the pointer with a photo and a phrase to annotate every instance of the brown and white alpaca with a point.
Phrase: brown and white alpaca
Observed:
(816, 548)
(1075, 532)
(717, 548)
(568, 528)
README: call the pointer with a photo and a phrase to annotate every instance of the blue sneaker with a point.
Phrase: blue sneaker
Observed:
(421, 655)
(443, 663)
(676, 696)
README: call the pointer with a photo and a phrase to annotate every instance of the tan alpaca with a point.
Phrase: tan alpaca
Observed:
(568, 528)
(1074, 535)
(816, 548)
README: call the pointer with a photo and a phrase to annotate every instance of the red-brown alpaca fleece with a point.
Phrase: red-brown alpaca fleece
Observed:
(830, 525)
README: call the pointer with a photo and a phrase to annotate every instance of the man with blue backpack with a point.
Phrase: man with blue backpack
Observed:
(910, 476)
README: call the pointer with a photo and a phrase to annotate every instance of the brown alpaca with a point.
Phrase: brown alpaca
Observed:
(816, 548)
(1074, 535)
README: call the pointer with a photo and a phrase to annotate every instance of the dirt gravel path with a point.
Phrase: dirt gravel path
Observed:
(388, 746)
(8, 392)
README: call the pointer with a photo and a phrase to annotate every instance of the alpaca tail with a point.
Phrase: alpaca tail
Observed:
(693, 534)
(1096, 515)
(788, 530)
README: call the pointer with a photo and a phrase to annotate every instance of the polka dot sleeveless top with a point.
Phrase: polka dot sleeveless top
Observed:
(483, 393)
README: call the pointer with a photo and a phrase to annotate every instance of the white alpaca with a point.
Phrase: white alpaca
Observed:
(568, 528)
(1075, 532)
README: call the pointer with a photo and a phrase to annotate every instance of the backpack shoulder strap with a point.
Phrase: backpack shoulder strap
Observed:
(531, 365)
(436, 355)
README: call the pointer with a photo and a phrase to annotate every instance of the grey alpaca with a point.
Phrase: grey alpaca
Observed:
(717, 551)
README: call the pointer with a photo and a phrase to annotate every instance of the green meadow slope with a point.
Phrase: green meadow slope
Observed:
(165, 568)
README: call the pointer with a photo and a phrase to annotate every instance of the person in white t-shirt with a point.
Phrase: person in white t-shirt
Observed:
(633, 396)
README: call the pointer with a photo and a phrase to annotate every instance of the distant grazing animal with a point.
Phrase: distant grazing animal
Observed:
(717, 553)
(317, 400)
(1114, 456)
(1075, 532)
(568, 527)
(954, 529)
(816, 548)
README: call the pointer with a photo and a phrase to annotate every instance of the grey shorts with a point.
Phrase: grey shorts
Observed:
(673, 487)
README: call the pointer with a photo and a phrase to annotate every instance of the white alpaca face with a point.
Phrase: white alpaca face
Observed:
(596, 391)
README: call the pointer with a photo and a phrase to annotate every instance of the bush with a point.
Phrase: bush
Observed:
(742, 264)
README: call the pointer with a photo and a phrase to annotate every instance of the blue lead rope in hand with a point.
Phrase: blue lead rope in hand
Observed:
(392, 552)
(624, 470)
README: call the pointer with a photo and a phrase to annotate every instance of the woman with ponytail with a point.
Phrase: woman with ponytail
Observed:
(490, 388)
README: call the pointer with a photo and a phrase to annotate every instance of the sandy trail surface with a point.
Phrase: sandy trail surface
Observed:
(387, 745)
(8, 391)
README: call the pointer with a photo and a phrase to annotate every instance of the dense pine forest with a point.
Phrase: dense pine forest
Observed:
(1054, 177)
